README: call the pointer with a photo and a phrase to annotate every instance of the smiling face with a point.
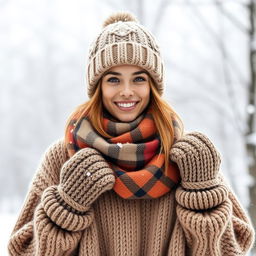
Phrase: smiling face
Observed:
(125, 91)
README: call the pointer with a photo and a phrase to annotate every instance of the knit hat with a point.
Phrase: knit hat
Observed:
(124, 41)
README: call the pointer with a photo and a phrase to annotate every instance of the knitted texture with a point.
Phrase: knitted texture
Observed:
(124, 41)
(118, 227)
(62, 214)
(133, 153)
(198, 161)
(83, 178)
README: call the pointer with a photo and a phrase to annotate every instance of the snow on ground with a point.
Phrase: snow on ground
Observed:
(7, 222)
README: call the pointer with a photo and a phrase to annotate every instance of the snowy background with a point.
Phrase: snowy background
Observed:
(43, 53)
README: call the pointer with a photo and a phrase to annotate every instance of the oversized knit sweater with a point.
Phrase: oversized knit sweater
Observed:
(119, 227)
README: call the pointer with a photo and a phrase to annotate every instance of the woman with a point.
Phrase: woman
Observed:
(126, 179)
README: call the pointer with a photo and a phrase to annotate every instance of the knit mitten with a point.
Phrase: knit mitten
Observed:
(83, 178)
(198, 162)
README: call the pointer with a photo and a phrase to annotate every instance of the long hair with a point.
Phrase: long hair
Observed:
(162, 113)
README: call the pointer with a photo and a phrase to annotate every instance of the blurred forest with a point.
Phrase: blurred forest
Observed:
(208, 47)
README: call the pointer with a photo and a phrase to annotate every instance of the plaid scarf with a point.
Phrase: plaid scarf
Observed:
(133, 153)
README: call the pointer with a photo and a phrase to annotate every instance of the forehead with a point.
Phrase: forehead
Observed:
(126, 68)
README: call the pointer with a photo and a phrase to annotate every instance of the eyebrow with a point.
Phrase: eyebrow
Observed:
(119, 74)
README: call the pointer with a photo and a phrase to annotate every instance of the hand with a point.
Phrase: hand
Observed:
(197, 159)
(84, 177)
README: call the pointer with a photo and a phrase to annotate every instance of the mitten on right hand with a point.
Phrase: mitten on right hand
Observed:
(84, 177)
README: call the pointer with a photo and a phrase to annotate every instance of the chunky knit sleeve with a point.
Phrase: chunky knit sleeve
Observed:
(210, 220)
(36, 232)
(222, 229)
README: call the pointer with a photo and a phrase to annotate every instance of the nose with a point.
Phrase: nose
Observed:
(126, 91)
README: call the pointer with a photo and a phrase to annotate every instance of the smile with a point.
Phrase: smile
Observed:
(126, 105)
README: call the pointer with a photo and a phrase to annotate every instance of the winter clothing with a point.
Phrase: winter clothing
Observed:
(124, 41)
(83, 198)
(133, 153)
(50, 224)
(73, 187)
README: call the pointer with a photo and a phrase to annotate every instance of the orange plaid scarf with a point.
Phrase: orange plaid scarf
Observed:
(133, 153)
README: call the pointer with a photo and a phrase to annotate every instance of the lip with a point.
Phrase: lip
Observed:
(126, 108)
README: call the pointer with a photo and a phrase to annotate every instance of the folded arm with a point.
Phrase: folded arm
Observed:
(210, 220)
(57, 208)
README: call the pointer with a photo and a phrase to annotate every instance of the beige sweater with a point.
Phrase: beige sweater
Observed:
(118, 227)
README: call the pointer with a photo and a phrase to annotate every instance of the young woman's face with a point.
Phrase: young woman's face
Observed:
(125, 91)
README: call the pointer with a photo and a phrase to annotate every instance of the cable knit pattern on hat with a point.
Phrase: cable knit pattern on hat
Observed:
(124, 41)
(111, 225)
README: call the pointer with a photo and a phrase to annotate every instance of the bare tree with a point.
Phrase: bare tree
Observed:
(247, 131)
(251, 145)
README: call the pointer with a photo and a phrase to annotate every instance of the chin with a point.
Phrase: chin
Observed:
(128, 118)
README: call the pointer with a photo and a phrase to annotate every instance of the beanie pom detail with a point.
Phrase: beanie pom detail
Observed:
(119, 16)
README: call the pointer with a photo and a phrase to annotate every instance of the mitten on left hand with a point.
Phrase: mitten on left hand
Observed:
(197, 159)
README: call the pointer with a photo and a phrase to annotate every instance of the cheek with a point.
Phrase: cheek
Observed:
(105, 100)
(146, 94)
(106, 94)
(107, 97)
(107, 88)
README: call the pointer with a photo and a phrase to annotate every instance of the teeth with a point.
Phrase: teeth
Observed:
(126, 105)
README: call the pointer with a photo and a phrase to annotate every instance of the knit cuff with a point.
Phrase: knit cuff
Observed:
(199, 185)
(201, 199)
(206, 227)
(62, 214)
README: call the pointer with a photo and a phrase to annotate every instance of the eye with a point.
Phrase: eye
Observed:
(139, 79)
(113, 80)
